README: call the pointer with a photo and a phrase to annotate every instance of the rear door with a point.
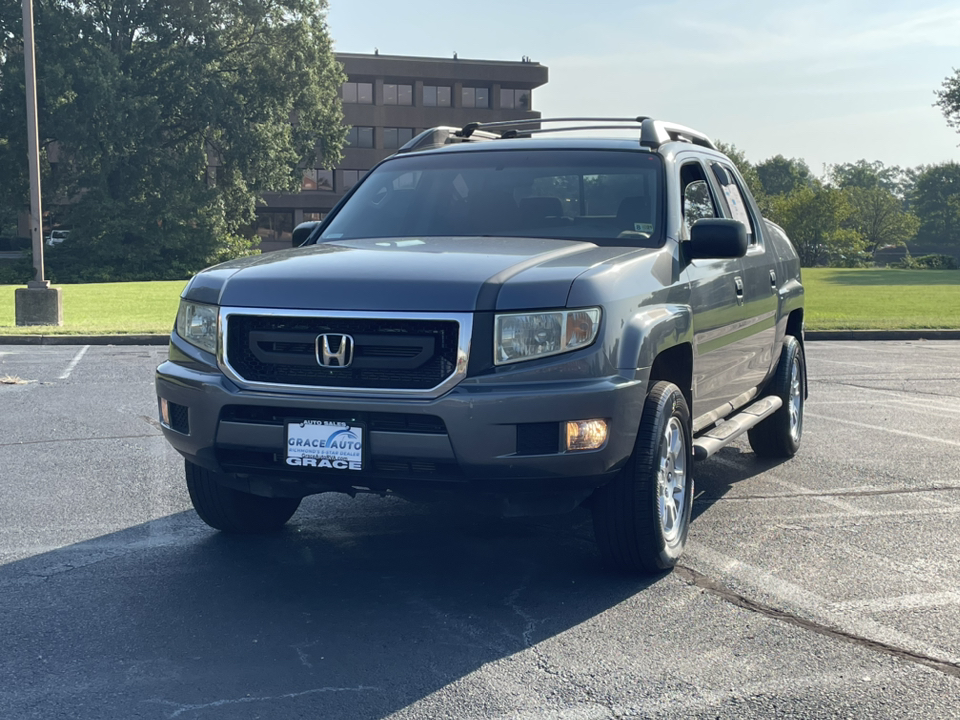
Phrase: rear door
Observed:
(759, 277)
(715, 297)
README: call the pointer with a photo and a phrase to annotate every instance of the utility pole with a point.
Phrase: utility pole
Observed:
(38, 303)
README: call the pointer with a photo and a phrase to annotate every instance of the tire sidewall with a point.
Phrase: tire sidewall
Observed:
(671, 404)
(792, 350)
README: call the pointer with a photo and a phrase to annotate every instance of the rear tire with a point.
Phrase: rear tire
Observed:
(779, 435)
(233, 511)
(641, 518)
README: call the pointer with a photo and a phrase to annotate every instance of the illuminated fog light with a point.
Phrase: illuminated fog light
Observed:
(165, 412)
(586, 434)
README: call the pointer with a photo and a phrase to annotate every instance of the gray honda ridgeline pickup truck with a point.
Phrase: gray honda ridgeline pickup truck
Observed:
(532, 321)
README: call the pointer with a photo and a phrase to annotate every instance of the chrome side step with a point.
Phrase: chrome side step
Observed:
(729, 430)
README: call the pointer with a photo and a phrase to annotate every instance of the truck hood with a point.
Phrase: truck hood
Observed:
(431, 274)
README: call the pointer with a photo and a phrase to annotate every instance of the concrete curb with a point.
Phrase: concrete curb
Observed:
(817, 335)
(811, 335)
(84, 339)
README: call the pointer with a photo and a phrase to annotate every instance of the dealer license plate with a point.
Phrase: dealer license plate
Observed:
(325, 444)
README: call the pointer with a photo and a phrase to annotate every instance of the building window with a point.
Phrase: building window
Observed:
(397, 94)
(318, 179)
(360, 137)
(475, 98)
(515, 99)
(314, 216)
(436, 96)
(351, 178)
(275, 226)
(358, 92)
(396, 137)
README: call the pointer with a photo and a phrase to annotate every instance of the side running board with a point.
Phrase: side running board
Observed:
(729, 430)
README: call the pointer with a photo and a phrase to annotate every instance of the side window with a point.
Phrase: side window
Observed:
(733, 200)
(698, 202)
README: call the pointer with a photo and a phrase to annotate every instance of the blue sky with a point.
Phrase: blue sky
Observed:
(828, 82)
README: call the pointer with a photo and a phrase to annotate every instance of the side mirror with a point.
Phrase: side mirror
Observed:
(302, 231)
(717, 238)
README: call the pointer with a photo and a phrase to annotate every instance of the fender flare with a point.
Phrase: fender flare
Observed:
(653, 330)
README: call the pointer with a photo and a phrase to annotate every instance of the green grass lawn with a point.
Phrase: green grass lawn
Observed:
(104, 309)
(881, 299)
(836, 299)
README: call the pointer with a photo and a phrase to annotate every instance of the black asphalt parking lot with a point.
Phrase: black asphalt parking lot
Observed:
(826, 586)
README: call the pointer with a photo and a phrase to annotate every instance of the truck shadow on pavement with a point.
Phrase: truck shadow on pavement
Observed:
(358, 609)
(716, 476)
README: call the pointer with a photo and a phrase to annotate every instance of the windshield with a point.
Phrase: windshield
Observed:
(608, 197)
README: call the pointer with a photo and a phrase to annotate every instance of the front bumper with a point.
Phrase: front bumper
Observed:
(491, 433)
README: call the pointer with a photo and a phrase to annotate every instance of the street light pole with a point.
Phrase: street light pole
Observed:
(33, 147)
(38, 303)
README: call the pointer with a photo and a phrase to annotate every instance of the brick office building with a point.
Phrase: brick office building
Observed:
(387, 100)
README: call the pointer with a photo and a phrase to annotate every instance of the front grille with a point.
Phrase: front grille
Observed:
(401, 354)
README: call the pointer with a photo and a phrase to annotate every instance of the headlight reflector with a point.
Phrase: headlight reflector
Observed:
(522, 336)
(197, 324)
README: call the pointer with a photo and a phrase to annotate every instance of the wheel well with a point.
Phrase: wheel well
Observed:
(795, 324)
(675, 365)
(795, 328)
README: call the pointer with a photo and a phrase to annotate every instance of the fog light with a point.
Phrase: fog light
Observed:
(164, 412)
(586, 434)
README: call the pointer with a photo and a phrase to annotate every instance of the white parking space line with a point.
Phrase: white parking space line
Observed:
(864, 517)
(929, 402)
(872, 366)
(904, 602)
(848, 508)
(866, 426)
(791, 594)
(73, 363)
(917, 406)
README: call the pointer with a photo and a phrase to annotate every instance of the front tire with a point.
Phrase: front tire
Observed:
(233, 511)
(779, 435)
(641, 518)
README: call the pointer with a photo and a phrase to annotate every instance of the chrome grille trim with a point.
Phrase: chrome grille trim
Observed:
(463, 320)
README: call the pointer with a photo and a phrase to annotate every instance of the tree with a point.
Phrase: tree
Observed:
(168, 120)
(878, 216)
(780, 176)
(815, 217)
(868, 175)
(937, 205)
(948, 98)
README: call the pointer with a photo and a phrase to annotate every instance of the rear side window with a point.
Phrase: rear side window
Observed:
(609, 197)
(732, 198)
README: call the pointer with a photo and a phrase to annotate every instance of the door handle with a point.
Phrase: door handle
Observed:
(738, 282)
(773, 280)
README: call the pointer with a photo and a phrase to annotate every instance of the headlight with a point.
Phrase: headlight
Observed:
(523, 336)
(197, 324)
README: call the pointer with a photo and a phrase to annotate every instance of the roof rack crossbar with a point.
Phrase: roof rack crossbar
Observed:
(470, 128)
(540, 131)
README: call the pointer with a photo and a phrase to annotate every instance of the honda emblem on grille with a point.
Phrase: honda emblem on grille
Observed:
(334, 350)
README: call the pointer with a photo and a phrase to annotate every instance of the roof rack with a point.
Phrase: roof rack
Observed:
(653, 133)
